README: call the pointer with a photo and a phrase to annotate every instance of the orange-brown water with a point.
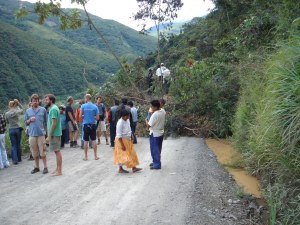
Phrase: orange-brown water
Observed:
(226, 155)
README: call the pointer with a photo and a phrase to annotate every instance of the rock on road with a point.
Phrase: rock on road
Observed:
(191, 188)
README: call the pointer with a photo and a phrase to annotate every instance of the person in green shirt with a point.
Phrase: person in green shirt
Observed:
(54, 132)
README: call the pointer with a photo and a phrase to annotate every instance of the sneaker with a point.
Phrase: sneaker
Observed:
(45, 170)
(75, 145)
(151, 164)
(35, 170)
(71, 144)
(155, 168)
(6, 166)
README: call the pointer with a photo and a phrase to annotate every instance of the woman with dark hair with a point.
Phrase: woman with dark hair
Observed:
(124, 153)
(15, 129)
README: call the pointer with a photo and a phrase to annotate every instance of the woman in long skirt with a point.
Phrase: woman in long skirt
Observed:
(124, 153)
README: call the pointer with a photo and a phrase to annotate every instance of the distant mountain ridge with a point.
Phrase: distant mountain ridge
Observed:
(36, 58)
(174, 29)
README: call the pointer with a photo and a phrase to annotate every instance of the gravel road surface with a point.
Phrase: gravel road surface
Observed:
(191, 188)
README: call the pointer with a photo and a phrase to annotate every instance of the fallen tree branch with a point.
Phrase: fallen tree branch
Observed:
(193, 130)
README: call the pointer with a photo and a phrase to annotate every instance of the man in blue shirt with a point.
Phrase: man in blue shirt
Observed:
(90, 114)
(36, 120)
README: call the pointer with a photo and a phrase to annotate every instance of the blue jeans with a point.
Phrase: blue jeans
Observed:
(67, 135)
(3, 156)
(63, 138)
(15, 139)
(112, 129)
(155, 148)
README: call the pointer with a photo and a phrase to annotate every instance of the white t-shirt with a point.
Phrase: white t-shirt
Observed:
(123, 129)
(157, 123)
(159, 72)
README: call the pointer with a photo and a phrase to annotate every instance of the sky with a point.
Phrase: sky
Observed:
(122, 10)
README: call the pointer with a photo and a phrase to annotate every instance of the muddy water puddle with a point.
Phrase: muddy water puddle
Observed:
(229, 158)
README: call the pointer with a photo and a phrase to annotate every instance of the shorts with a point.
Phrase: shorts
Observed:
(38, 146)
(72, 127)
(89, 131)
(54, 143)
(101, 126)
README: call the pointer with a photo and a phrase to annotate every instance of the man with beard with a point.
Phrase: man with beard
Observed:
(36, 120)
(54, 132)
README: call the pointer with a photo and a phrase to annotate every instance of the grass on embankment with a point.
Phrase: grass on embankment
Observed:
(267, 131)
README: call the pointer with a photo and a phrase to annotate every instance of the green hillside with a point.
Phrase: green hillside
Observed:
(43, 58)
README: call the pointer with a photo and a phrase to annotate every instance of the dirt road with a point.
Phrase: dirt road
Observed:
(191, 188)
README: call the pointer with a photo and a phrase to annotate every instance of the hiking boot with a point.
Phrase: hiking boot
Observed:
(45, 170)
(35, 170)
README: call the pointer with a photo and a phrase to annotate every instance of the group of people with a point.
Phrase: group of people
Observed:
(163, 74)
(48, 125)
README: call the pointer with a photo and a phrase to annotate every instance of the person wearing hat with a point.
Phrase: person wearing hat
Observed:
(36, 120)
(63, 122)
(72, 124)
(15, 129)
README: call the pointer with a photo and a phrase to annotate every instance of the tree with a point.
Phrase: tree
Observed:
(162, 12)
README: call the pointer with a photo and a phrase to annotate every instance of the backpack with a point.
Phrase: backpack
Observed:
(2, 124)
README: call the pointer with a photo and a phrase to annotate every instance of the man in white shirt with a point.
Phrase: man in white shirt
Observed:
(159, 73)
(156, 126)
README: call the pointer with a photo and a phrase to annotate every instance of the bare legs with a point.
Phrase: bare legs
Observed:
(37, 162)
(58, 170)
(86, 150)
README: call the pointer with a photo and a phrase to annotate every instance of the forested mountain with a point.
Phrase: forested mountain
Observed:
(43, 58)
(174, 29)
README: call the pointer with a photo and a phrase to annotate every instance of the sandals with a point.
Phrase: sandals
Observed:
(136, 170)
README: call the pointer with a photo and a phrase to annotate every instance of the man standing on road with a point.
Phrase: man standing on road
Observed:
(101, 127)
(134, 113)
(113, 122)
(73, 128)
(90, 115)
(156, 126)
(54, 132)
(36, 120)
